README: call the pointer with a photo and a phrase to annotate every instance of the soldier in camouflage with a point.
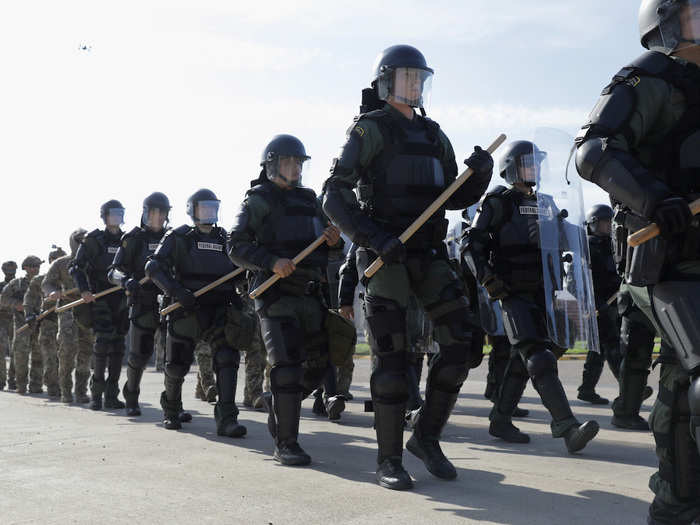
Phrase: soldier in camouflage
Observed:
(34, 304)
(9, 268)
(205, 388)
(26, 343)
(75, 337)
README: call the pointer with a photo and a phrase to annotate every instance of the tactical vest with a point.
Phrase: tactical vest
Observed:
(108, 245)
(517, 258)
(405, 178)
(205, 260)
(605, 278)
(146, 242)
(294, 222)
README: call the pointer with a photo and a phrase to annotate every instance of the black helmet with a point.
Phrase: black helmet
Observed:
(282, 146)
(520, 154)
(55, 253)
(156, 200)
(112, 207)
(200, 197)
(596, 215)
(9, 267)
(385, 68)
(76, 239)
(660, 26)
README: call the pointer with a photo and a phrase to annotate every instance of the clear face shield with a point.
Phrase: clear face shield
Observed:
(114, 217)
(154, 218)
(288, 169)
(407, 85)
(682, 29)
(601, 227)
(526, 168)
(206, 212)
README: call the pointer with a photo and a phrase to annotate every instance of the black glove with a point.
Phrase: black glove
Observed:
(186, 298)
(480, 161)
(132, 286)
(672, 216)
(496, 288)
(391, 250)
(30, 319)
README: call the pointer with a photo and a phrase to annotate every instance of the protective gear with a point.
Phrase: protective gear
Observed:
(676, 304)
(186, 298)
(283, 417)
(90, 271)
(9, 267)
(401, 74)
(283, 155)
(578, 437)
(155, 201)
(672, 216)
(480, 161)
(663, 25)
(76, 239)
(388, 423)
(520, 162)
(31, 260)
(597, 217)
(496, 288)
(56, 253)
(568, 284)
(226, 414)
(392, 251)
(112, 213)
(490, 314)
(203, 207)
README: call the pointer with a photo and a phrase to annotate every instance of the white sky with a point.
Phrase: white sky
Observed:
(176, 95)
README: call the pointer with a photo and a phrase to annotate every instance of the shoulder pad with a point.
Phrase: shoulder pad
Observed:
(258, 189)
(377, 114)
(307, 192)
(652, 62)
(219, 232)
(497, 191)
(96, 233)
(180, 230)
(136, 231)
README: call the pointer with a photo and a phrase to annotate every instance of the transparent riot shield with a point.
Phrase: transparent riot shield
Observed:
(490, 313)
(568, 283)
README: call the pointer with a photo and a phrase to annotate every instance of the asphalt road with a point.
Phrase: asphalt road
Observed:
(67, 464)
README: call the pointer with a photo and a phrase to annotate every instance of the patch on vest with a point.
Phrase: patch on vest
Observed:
(152, 246)
(210, 246)
(112, 249)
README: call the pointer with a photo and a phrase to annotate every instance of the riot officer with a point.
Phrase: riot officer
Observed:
(640, 144)
(187, 259)
(109, 314)
(399, 162)
(502, 250)
(606, 284)
(127, 270)
(278, 219)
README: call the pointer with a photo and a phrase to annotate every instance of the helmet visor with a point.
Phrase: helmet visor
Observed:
(114, 217)
(154, 218)
(288, 169)
(411, 86)
(682, 27)
(207, 212)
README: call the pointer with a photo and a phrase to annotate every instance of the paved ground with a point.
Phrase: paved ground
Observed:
(66, 464)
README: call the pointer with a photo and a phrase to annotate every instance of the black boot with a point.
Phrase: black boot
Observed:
(112, 388)
(97, 388)
(578, 437)
(506, 403)
(424, 442)
(388, 423)
(507, 431)
(131, 396)
(171, 402)
(319, 408)
(284, 416)
(334, 406)
(592, 369)
(520, 412)
(225, 411)
(627, 405)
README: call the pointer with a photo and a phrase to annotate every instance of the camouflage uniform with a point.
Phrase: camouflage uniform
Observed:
(255, 362)
(34, 303)
(75, 338)
(206, 382)
(6, 334)
(26, 343)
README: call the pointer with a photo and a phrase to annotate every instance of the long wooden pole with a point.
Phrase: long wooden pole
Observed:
(300, 257)
(96, 296)
(205, 289)
(649, 232)
(435, 206)
(45, 312)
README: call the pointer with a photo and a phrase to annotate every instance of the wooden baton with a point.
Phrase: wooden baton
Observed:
(45, 312)
(205, 289)
(96, 296)
(649, 232)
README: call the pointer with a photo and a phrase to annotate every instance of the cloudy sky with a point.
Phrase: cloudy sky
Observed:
(104, 100)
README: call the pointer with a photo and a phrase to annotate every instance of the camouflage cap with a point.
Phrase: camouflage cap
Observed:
(31, 260)
(56, 253)
(76, 238)
(9, 267)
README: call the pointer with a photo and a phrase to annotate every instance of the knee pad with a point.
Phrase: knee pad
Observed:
(141, 342)
(283, 339)
(286, 378)
(226, 357)
(386, 321)
(684, 472)
(541, 363)
(447, 375)
(694, 396)
(178, 356)
(636, 339)
(389, 386)
(675, 305)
